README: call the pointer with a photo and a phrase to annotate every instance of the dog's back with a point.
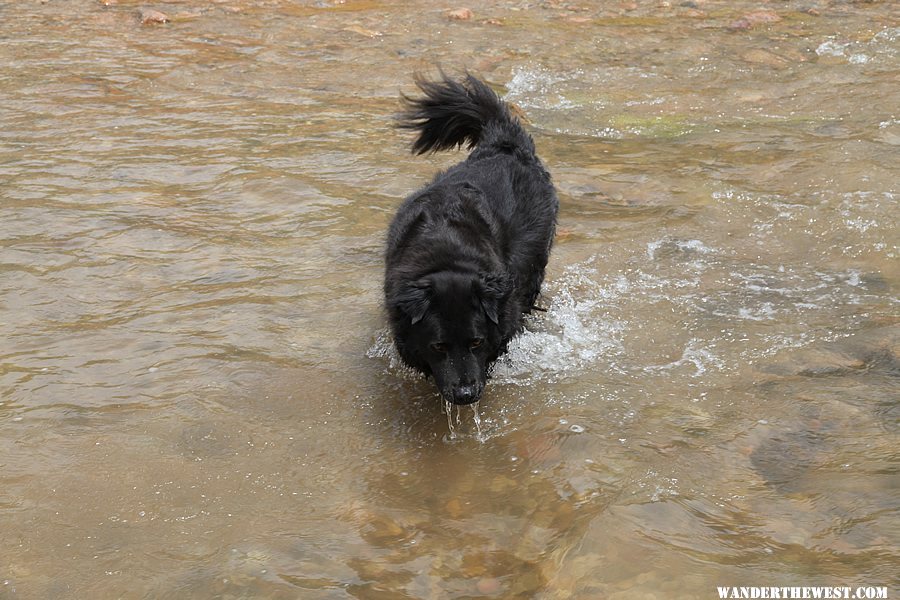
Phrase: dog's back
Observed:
(503, 167)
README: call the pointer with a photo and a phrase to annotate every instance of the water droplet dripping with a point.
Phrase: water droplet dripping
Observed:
(448, 410)
(477, 418)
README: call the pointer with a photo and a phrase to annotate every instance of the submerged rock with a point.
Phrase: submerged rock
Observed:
(150, 16)
(877, 350)
(369, 33)
(785, 458)
(488, 586)
(764, 57)
(460, 14)
(752, 19)
(843, 410)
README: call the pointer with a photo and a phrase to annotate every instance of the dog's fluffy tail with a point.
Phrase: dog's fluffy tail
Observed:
(452, 113)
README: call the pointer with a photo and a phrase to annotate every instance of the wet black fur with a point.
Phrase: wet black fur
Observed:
(466, 254)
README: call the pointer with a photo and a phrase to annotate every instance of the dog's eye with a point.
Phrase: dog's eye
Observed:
(475, 343)
(439, 348)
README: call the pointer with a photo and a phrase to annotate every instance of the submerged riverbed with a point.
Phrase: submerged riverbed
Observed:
(198, 394)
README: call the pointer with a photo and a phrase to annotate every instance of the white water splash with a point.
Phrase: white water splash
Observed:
(572, 335)
(883, 45)
(383, 349)
(538, 88)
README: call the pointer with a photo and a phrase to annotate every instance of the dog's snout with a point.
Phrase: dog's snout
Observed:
(465, 394)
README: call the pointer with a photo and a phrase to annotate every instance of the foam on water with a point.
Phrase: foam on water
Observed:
(695, 354)
(573, 101)
(673, 245)
(884, 45)
(539, 88)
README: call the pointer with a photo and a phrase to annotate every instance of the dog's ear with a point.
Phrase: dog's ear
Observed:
(493, 290)
(414, 299)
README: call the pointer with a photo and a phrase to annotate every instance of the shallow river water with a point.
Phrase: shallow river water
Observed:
(198, 394)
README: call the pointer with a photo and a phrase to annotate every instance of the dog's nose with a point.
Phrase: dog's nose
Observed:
(465, 394)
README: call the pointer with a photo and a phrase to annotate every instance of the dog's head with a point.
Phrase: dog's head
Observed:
(454, 329)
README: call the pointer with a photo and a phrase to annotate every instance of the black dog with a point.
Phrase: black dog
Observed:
(466, 254)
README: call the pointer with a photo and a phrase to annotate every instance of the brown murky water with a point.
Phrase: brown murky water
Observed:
(197, 395)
